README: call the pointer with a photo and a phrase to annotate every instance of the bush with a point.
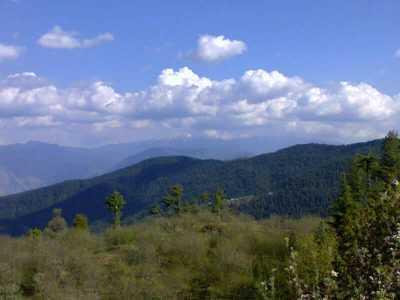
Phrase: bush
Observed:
(118, 236)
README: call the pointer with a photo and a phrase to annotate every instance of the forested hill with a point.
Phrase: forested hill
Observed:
(298, 180)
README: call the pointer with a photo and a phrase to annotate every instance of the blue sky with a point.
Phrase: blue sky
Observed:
(126, 45)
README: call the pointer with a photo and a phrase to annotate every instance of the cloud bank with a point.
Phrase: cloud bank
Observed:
(181, 102)
(60, 39)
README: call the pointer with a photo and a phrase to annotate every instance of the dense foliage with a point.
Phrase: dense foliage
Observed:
(367, 222)
(295, 181)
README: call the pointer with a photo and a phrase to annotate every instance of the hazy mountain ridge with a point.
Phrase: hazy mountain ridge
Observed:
(11, 183)
(35, 164)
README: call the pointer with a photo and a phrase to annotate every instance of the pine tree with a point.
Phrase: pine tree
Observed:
(390, 162)
(343, 206)
(345, 222)
(115, 202)
(173, 200)
(369, 164)
(366, 218)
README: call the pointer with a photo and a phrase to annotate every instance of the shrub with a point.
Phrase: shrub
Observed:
(118, 236)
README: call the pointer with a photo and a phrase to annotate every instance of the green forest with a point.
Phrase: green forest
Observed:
(208, 249)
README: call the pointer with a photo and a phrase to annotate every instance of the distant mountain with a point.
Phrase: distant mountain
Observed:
(34, 164)
(302, 179)
(11, 183)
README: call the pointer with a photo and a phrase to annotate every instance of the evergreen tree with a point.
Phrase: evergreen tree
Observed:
(366, 218)
(346, 224)
(173, 200)
(369, 164)
(390, 162)
(364, 177)
(322, 233)
(115, 203)
(344, 206)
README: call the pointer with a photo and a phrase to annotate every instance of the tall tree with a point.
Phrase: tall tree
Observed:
(390, 162)
(369, 163)
(344, 206)
(345, 221)
(173, 199)
(364, 175)
(115, 203)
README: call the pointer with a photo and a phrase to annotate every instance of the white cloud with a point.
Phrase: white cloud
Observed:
(9, 52)
(181, 102)
(58, 38)
(368, 102)
(212, 48)
(21, 75)
(23, 80)
(100, 39)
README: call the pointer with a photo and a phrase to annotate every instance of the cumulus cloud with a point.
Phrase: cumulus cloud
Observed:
(61, 39)
(9, 52)
(212, 48)
(182, 102)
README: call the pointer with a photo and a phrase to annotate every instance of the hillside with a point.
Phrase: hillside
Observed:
(298, 180)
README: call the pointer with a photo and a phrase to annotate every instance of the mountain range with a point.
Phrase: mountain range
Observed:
(33, 165)
(298, 180)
